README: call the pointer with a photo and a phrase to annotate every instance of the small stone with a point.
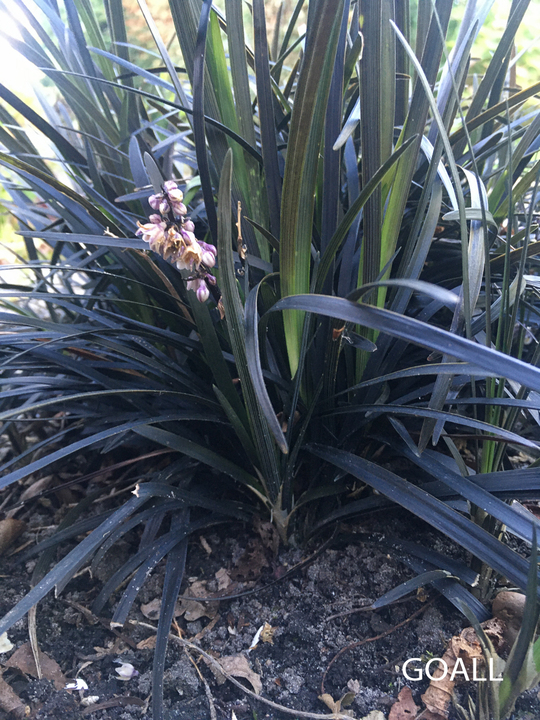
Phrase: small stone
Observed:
(292, 680)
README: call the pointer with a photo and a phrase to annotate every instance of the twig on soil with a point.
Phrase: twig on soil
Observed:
(359, 643)
(121, 701)
(106, 623)
(213, 714)
(365, 608)
(32, 634)
(89, 476)
(207, 628)
(212, 661)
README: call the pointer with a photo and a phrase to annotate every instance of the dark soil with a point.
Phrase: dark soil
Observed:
(309, 609)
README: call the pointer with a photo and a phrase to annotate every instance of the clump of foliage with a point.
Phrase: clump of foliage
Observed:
(357, 272)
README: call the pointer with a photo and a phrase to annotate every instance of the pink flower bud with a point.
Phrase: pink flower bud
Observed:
(176, 195)
(208, 258)
(154, 201)
(188, 237)
(179, 209)
(203, 293)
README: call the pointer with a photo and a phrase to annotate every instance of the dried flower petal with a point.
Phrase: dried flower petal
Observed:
(126, 671)
(256, 638)
(5, 644)
(77, 684)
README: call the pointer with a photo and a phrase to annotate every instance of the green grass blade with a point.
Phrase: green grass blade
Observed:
(423, 80)
(377, 98)
(302, 161)
(239, 70)
(429, 48)
(65, 148)
(499, 61)
(341, 232)
(163, 52)
(266, 118)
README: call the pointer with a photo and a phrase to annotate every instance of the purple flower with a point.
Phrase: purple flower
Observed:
(176, 241)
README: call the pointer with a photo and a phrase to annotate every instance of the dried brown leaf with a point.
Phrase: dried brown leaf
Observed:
(148, 644)
(267, 633)
(152, 609)
(249, 565)
(354, 686)
(11, 702)
(330, 703)
(238, 666)
(36, 488)
(464, 648)
(23, 660)
(223, 579)
(268, 534)
(405, 708)
(495, 629)
(192, 609)
(10, 529)
(336, 706)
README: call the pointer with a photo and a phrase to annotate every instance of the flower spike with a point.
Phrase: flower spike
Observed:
(172, 235)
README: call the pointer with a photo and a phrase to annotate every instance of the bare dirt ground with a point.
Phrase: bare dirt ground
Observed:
(308, 616)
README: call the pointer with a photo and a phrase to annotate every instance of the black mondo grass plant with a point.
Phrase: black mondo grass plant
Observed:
(275, 261)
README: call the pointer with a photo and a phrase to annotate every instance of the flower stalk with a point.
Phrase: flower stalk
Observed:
(171, 234)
